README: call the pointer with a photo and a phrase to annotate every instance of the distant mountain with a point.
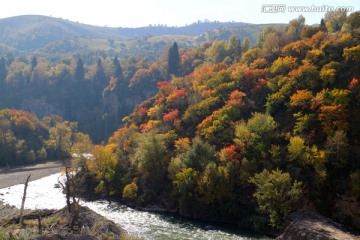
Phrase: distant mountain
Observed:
(192, 29)
(32, 32)
(48, 36)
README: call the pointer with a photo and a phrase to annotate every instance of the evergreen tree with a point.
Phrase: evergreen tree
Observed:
(118, 72)
(173, 60)
(34, 62)
(245, 44)
(99, 74)
(322, 23)
(3, 71)
(79, 70)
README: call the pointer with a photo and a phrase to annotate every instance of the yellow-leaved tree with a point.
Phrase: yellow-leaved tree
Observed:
(103, 165)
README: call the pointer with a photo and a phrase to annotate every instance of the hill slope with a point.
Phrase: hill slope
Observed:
(32, 32)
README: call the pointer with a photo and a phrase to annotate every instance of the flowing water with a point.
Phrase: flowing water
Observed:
(42, 194)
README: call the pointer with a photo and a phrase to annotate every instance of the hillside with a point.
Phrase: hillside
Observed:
(48, 35)
(226, 131)
(32, 32)
(246, 137)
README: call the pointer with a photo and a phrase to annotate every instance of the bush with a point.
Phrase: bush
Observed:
(130, 191)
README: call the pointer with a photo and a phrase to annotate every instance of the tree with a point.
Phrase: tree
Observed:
(214, 184)
(17, 74)
(21, 221)
(301, 99)
(60, 139)
(353, 21)
(329, 73)
(283, 65)
(81, 147)
(130, 191)
(352, 54)
(262, 125)
(337, 147)
(34, 62)
(171, 116)
(82, 143)
(322, 23)
(199, 155)
(296, 148)
(296, 49)
(333, 118)
(295, 27)
(103, 165)
(217, 52)
(3, 72)
(234, 47)
(243, 136)
(118, 72)
(334, 20)
(173, 60)
(245, 44)
(276, 195)
(251, 55)
(99, 77)
(269, 39)
(79, 70)
(150, 160)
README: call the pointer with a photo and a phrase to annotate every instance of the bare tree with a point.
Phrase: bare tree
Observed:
(21, 221)
(69, 188)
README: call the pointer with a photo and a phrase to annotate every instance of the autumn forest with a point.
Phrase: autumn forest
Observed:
(233, 131)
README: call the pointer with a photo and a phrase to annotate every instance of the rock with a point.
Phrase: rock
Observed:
(309, 225)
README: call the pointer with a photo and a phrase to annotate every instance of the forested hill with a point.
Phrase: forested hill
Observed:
(192, 29)
(225, 131)
(32, 32)
(247, 136)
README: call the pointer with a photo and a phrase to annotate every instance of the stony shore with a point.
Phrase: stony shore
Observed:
(13, 176)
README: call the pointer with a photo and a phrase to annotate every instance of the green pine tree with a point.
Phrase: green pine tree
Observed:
(118, 72)
(3, 71)
(173, 60)
(79, 70)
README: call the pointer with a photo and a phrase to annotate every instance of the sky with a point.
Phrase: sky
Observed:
(138, 13)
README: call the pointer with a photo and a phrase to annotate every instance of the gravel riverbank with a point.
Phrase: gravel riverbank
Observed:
(14, 176)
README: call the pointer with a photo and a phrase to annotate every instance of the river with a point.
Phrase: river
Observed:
(42, 194)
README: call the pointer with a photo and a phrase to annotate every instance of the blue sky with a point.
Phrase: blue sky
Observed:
(136, 13)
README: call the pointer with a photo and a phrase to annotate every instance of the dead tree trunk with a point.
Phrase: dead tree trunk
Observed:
(66, 187)
(39, 223)
(68, 192)
(23, 201)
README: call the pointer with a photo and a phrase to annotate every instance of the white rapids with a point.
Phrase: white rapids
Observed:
(42, 194)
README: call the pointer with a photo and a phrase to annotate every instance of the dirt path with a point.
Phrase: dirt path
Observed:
(18, 175)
